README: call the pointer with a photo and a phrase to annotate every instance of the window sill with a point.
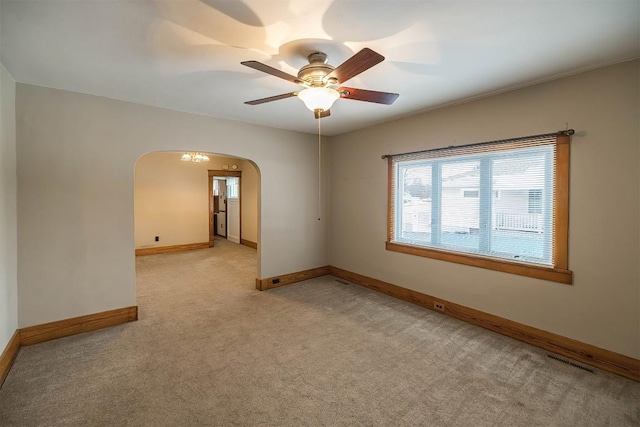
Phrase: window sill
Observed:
(528, 270)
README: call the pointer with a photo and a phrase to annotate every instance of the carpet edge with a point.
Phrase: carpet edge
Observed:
(287, 279)
(9, 355)
(173, 248)
(77, 325)
(606, 360)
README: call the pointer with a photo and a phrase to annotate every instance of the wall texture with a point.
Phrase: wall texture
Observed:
(8, 211)
(76, 160)
(250, 197)
(171, 199)
(602, 307)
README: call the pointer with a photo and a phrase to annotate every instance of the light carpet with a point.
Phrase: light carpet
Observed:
(210, 350)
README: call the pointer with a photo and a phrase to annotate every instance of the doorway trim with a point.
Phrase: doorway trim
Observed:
(213, 173)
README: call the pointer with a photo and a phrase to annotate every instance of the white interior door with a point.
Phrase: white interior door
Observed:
(233, 209)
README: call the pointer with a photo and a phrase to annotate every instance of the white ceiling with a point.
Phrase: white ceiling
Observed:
(185, 55)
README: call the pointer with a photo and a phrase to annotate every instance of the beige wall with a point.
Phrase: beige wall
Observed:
(76, 160)
(172, 199)
(250, 198)
(8, 211)
(602, 307)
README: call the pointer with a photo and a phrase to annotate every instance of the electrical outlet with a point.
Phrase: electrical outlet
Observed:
(274, 281)
(438, 306)
(157, 238)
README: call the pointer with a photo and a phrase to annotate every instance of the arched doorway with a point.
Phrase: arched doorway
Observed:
(173, 202)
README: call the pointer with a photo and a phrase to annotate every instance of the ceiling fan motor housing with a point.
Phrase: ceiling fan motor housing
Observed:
(314, 72)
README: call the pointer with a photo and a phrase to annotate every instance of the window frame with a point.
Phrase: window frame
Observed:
(559, 272)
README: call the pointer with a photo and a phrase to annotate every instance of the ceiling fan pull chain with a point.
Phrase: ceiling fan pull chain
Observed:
(319, 170)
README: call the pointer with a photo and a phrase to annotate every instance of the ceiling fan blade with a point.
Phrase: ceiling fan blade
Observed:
(355, 65)
(386, 98)
(320, 114)
(272, 98)
(273, 71)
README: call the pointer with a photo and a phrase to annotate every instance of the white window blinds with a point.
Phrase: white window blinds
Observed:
(494, 199)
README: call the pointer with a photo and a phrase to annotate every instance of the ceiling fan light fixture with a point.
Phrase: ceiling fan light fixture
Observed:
(318, 98)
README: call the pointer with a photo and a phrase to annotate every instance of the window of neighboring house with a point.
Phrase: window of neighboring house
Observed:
(535, 201)
(501, 205)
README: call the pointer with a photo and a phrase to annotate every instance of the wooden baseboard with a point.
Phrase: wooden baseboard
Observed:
(249, 243)
(174, 248)
(77, 325)
(9, 355)
(600, 358)
(287, 279)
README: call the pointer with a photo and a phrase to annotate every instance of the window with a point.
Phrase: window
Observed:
(500, 205)
(535, 201)
(232, 187)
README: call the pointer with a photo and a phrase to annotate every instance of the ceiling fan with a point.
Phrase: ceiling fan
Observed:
(323, 82)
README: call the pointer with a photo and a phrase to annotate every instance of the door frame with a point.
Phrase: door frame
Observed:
(213, 173)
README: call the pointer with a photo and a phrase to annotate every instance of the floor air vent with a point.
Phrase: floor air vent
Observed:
(342, 281)
(568, 362)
